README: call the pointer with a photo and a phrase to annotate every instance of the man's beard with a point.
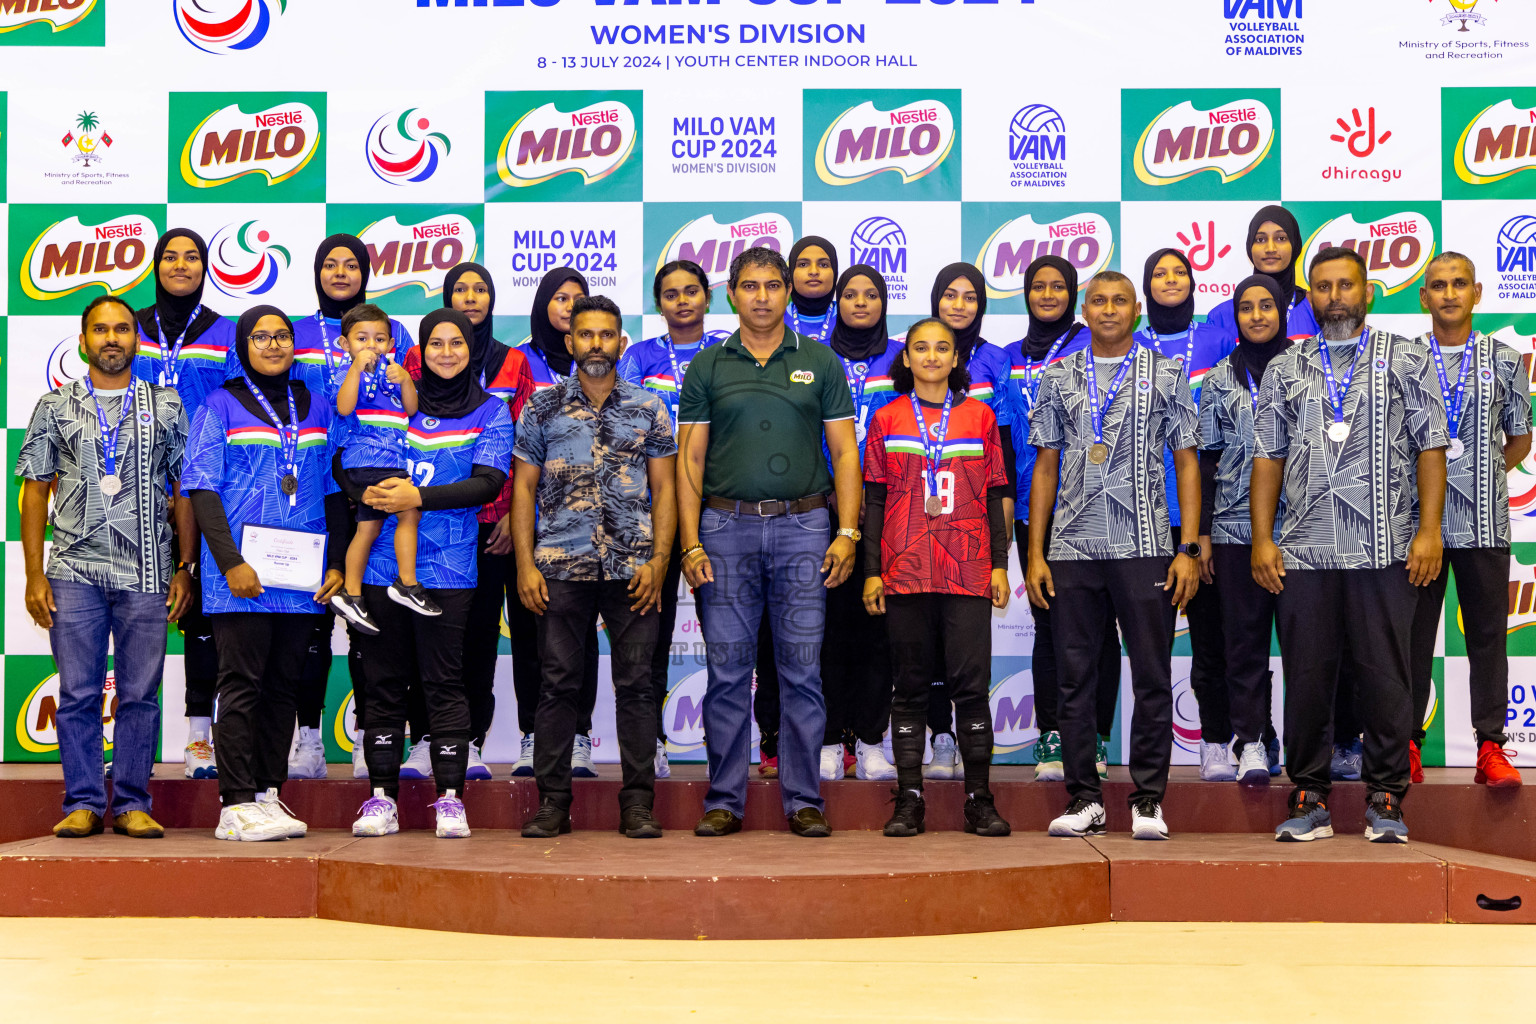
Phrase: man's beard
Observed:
(111, 363)
(597, 365)
(1340, 326)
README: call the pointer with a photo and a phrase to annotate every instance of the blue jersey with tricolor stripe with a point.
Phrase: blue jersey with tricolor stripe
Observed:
(817, 328)
(321, 357)
(374, 435)
(877, 392)
(445, 451)
(237, 454)
(1300, 322)
(1020, 407)
(647, 364)
(989, 369)
(1198, 350)
(203, 366)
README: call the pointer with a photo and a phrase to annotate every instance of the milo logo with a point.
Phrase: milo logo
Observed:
(910, 141)
(273, 144)
(405, 255)
(69, 255)
(590, 143)
(1396, 248)
(1086, 240)
(1496, 143)
(1230, 140)
(712, 245)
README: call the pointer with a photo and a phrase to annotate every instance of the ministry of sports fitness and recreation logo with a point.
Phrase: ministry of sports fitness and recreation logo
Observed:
(87, 139)
(894, 145)
(578, 146)
(243, 261)
(1007, 238)
(1489, 133)
(52, 23)
(411, 248)
(1515, 260)
(676, 231)
(881, 243)
(226, 26)
(98, 247)
(1463, 12)
(254, 146)
(1396, 243)
(1037, 148)
(402, 149)
(1200, 143)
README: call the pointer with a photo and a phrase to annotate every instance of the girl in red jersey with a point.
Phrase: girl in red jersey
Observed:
(936, 545)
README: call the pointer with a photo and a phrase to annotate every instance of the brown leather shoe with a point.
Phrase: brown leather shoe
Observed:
(718, 822)
(138, 825)
(78, 825)
(810, 823)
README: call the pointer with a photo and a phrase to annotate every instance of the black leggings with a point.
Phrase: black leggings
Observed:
(915, 623)
(260, 655)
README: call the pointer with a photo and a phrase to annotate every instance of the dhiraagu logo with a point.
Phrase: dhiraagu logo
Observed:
(1201, 143)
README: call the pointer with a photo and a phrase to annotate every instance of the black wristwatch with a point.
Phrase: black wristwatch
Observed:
(189, 567)
(1192, 550)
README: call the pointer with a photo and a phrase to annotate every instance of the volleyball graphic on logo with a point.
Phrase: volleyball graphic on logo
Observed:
(243, 262)
(401, 150)
(1517, 231)
(1037, 119)
(225, 26)
(877, 233)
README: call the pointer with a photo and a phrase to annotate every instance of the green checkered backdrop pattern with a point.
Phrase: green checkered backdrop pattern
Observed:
(614, 136)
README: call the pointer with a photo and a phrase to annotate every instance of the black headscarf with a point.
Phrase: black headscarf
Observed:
(546, 338)
(1287, 277)
(486, 354)
(804, 305)
(1042, 334)
(274, 386)
(862, 343)
(334, 308)
(1168, 319)
(447, 398)
(1250, 358)
(968, 339)
(175, 309)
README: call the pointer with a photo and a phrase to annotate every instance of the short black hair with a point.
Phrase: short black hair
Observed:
(688, 267)
(102, 300)
(362, 313)
(596, 304)
(1109, 277)
(1338, 252)
(758, 256)
(902, 379)
(1450, 255)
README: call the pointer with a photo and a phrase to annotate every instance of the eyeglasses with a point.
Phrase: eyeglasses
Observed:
(264, 341)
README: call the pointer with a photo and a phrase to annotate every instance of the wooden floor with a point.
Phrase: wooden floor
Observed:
(234, 971)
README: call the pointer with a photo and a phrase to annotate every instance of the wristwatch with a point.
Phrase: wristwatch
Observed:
(1192, 550)
(190, 567)
(851, 533)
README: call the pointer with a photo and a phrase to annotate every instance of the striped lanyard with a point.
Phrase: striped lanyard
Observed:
(1337, 392)
(170, 369)
(287, 437)
(1455, 399)
(1095, 410)
(933, 454)
(1033, 372)
(822, 333)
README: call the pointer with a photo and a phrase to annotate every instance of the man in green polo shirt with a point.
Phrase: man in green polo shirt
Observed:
(754, 516)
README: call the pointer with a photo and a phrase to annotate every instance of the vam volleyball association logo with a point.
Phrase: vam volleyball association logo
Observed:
(1085, 239)
(402, 149)
(243, 261)
(226, 26)
(69, 256)
(589, 143)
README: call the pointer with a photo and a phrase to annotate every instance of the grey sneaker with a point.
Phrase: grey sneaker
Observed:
(1309, 819)
(1347, 760)
(1384, 820)
(1253, 766)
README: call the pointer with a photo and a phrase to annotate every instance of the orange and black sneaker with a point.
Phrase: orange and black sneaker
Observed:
(1384, 819)
(1493, 767)
(1415, 763)
(1309, 818)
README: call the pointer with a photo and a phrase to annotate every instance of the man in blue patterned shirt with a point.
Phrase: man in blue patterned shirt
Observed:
(595, 461)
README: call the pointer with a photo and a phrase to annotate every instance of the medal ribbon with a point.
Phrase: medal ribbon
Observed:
(1032, 372)
(1455, 400)
(109, 434)
(1096, 410)
(1338, 392)
(1188, 362)
(822, 333)
(170, 371)
(287, 437)
(933, 454)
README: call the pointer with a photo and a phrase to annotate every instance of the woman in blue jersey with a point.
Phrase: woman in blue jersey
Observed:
(681, 291)
(856, 666)
(186, 346)
(1168, 286)
(1050, 290)
(259, 455)
(1274, 245)
(549, 362)
(812, 276)
(460, 449)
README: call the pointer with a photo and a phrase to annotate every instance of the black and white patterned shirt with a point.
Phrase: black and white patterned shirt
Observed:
(1350, 505)
(1497, 405)
(1117, 509)
(121, 542)
(1226, 426)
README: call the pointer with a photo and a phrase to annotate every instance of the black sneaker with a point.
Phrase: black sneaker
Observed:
(907, 818)
(638, 822)
(1384, 819)
(549, 822)
(414, 597)
(351, 608)
(981, 817)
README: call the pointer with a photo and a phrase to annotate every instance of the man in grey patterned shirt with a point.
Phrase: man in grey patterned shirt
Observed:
(112, 445)
(1110, 544)
(1487, 396)
(1351, 423)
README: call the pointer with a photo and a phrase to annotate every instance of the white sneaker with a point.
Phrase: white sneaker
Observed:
(308, 758)
(418, 764)
(1147, 820)
(873, 764)
(524, 763)
(663, 766)
(199, 761)
(249, 823)
(945, 763)
(359, 762)
(279, 812)
(1253, 765)
(477, 770)
(832, 762)
(379, 816)
(1216, 763)
(581, 758)
(1081, 818)
(451, 822)
(1048, 763)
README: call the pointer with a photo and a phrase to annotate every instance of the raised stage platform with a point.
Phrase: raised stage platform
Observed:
(1473, 858)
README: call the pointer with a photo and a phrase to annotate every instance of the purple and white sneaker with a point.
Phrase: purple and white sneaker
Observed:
(377, 817)
(451, 822)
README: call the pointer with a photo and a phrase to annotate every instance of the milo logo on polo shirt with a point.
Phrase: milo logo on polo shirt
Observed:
(1396, 244)
(249, 143)
(407, 251)
(70, 255)
(580, 139)
(1208, 139)
(895, 144)
(802, 377)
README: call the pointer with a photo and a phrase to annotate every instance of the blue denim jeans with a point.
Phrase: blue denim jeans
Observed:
(87, 615)
(776, 561)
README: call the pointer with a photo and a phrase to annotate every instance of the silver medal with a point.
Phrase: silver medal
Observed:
(1338, 432)
(1455, 449)
(111, 483)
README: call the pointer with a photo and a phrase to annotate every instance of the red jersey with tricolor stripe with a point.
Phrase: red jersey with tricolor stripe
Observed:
(949, 553)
